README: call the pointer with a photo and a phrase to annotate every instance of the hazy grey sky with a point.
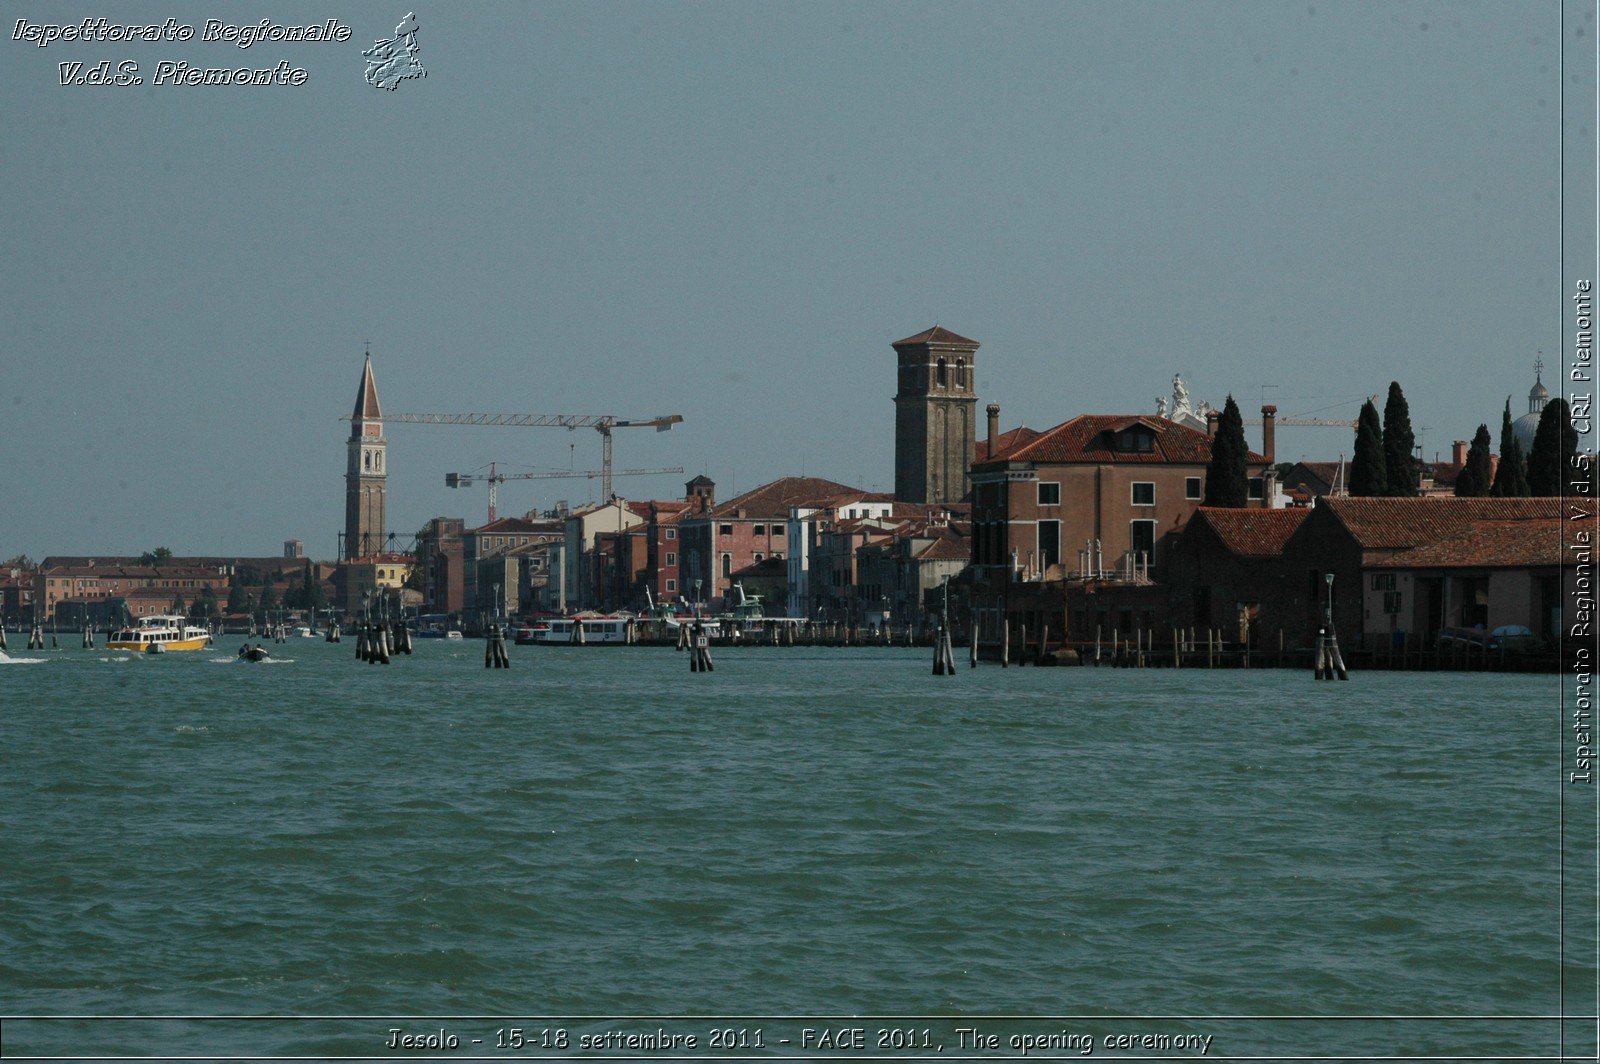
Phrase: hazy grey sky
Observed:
(728, 211)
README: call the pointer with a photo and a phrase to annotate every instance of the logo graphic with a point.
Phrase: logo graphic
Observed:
(391, 62)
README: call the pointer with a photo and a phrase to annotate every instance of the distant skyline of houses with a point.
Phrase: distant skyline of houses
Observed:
(1099, 516)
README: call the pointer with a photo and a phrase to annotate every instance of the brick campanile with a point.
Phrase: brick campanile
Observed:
(366, 474)
(935, 416)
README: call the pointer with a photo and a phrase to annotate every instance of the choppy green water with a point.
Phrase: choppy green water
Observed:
(599, 833)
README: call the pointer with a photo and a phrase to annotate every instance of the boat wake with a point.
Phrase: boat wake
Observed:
(7, 659)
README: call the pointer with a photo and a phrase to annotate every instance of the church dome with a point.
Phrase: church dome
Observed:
(1538, 393)
(1523, 429)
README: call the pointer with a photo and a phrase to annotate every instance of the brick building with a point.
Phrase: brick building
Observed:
(1128, 482)
(716, 540)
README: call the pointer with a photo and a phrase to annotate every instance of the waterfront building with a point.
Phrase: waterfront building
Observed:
(580, 575)
(439, 553)
(1407, 568)
(366, 474)
(502, 536)
(1119, 486)
(934, 416)
(801, 529)
(359, 581)
(58, 584)
(716, 539)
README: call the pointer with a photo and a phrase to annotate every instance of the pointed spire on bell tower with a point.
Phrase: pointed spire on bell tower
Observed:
(367, 395)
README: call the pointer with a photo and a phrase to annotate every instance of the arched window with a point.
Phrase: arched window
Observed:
(961, 373)
(377, 461)
(942, 379)
(366, 460)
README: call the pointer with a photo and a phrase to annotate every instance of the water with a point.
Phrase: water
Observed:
(805, 832)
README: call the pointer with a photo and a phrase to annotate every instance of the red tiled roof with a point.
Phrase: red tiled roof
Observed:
(951, 545)
(512, 525)
(774, 499)
(1087, 438)
(1401, 524)
(936, 337)
(367, 394)
(1004, 442)
(1485, 544)
(1251, 533)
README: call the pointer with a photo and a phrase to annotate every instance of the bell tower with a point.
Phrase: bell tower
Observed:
(935, 416)
(366, 472)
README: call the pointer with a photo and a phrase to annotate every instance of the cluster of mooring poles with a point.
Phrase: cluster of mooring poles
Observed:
(332, 634)
(377, 643)
(494, 650)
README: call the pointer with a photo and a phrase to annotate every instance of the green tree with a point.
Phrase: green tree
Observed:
(315, 598)
(1228, 476)
(1551, 459)
(1399, 443)
(269, 599)
(1511, 475)
(1368, 474)
(159, 556)
(177, 605)
(238, 596)
(1473, 480)
(204, 605)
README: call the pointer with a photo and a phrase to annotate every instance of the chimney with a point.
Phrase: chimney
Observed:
(994, 426)
(1269, 432)
(1212, 417)
(1458, 453)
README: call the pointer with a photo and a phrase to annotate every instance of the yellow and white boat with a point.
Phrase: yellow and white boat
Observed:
(158, 634)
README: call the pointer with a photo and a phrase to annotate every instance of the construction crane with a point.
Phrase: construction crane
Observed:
(494, 478)
(601, 423)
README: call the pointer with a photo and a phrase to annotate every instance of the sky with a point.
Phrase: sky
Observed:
(729, 211)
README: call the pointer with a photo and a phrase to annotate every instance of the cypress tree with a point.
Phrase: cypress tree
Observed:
(1473, 480)
(1368, 475)
(1511, 476)
(1228, 476)
(1554, 443)
(1400, 465)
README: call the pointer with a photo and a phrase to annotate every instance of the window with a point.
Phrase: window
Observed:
(1191, 488)
(672, 585)
(1258, 487)
(1049, 493)
(943, 378)
(777, 530)
(724, 530)
(672, 533)
(961, 373)
(1135, 441)
(1391, 602)
(1143, 535)
(672, 557)
(727, 564)
(759, 530)
(1383, 581)
(1049, 543)
(1144, 493)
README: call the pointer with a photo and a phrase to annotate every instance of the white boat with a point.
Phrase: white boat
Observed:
(304, 633)
(159, 634)
(559, 631)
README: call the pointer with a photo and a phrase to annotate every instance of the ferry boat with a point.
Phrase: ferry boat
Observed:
(159, 634)
(558, 631)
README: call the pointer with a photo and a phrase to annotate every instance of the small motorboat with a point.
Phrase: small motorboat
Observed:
(253, 653)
